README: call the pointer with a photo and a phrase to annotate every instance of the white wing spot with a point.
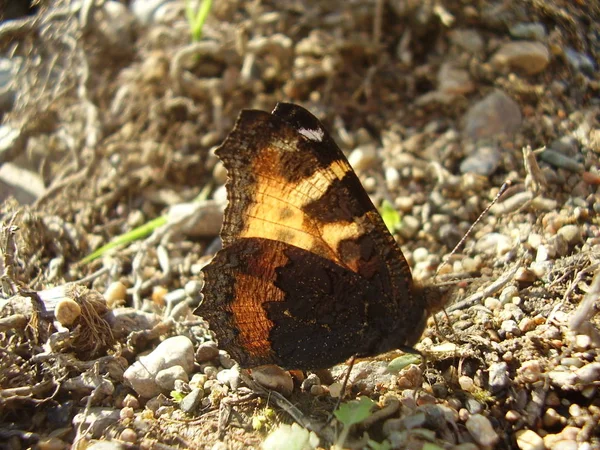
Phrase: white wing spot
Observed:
(313, 135)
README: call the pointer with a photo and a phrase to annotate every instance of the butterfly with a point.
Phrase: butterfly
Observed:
(308, 275)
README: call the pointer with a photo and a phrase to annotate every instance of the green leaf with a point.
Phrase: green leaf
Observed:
(385, 445)
(177, 396)
(354, 412)
(399, 363)
(390, 216)
(291, 437)
(196, 17)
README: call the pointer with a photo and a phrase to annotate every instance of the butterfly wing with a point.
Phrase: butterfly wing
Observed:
(291, 186)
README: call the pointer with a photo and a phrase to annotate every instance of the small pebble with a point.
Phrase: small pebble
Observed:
(115, 294)
(45, 443)
(512, 415)
(335, 389)
(508, 293)
(571, 233)
(466, 383)
(226, 361)
(530, 371)
(551, 418)
(198, 380)
(363, 158)
(67, 311)
(498, 377)
(492, 303)
(158, 295)
(473, 406)
(211, 372)
(526, 324)
(275, 378)
(131, 401)
(582, 342)
(190, 402)
(528, 57)
(562, 379)
(529, 440)
(230, 377)
(590, 373)
(481, 429)
(559, 160)
(126, 413)
(510, 326)
(166, 378)
(317, 390)
(310, 381)
(207, 351)
(534, 30)
(128, 435)
(420, 254)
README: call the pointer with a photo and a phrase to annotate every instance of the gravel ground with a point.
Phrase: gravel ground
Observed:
(110, 115)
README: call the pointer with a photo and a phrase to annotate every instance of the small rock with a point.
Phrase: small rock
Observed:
(131, 402)
(510, 326)
(317, 390)
(125, 320)
(508, 293)
(564, 444)
(535, 31)
(582, 342)
(498, 377)
(473, 406)
(562, 379)
(165, 379)
(207, 351)
(529, 440)
(452, 80)
(527, 324)
(512, 415)
(230, 377)
(198, 380)
(590, 373)
(105, 445)
(484, 161)
(7, 84)
(551, 418)
(530, 371)
(561, 161)
(363, 158)
(571, 233)
(409, 227)
(466, 383)
(190, 402)
(580, 61)
(493, 244)
(528, 57)
(226, 361)
(493, 115)
(468, 39)
(147, 11)
(115, 294)
(335, 389)
(481, 429)
(275, 378)
(309, 381)
(175, 351)
(67, 311)
(96, 420)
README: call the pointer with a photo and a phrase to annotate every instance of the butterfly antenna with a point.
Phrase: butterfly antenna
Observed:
(343, 391)
(503, 188)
